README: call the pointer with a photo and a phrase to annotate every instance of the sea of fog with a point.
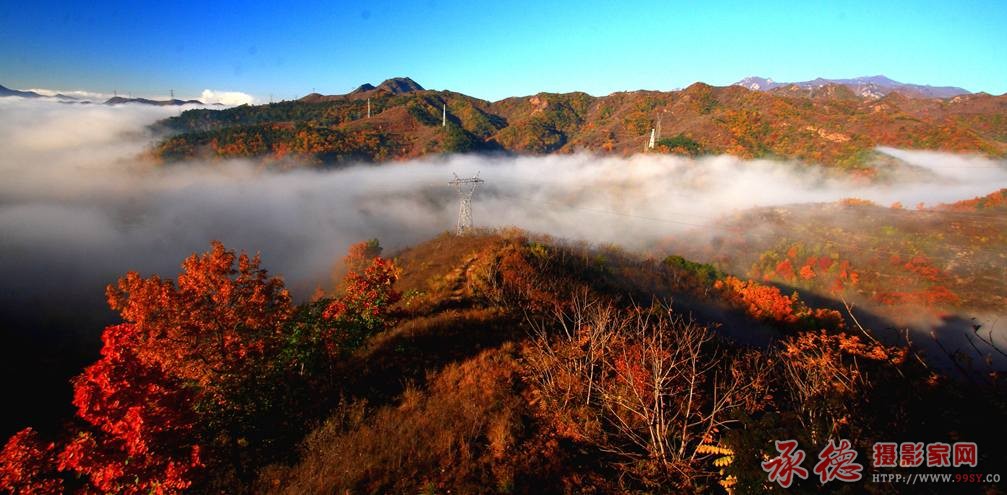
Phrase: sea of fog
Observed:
(79, 204)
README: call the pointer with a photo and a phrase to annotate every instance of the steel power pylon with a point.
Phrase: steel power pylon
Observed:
(466, 188)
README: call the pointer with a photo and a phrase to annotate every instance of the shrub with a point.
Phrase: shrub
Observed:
(643, 384)
(766, 303)
(680, 144)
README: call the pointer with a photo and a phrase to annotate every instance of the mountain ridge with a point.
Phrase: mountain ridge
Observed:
(830, 125)
(5, 91)
(119, 100)
(866, 86)
(115, 100)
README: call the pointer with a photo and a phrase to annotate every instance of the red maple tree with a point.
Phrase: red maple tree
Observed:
(366, 303)
(212, 324)
(28, 465)
(142, 438)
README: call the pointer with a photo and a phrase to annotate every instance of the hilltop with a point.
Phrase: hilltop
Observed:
(488, 362)
(829, 124)
(4, 91)
(393, 86)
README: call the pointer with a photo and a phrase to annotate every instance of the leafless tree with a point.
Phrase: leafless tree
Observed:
(658, 382)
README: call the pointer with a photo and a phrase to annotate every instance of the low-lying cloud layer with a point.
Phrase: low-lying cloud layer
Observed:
(208, 96)
(80, 94)
(79, 204)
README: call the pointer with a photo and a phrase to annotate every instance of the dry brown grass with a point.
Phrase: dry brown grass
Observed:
(459, 433)
(456, 398)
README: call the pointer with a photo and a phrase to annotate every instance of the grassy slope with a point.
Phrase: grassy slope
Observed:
(438, 403)
(944, 259)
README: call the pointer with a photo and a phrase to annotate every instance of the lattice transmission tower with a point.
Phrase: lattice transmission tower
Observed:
(466, 188)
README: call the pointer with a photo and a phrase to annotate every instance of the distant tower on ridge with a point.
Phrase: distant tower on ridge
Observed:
(368, 108)
(444, 115)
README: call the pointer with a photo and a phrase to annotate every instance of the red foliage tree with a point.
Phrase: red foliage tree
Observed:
(218, 328)
(365, 305)
(28, 465)
(785, 269)
(183, 373)
(763, 302)
(211, 326)
(144, 440)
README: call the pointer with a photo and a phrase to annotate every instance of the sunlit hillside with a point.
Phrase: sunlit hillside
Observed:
(831, 127)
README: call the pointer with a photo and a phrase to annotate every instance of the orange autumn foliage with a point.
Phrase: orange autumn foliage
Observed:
(365, 305)
(813, 349)
(995, 200)
(855, 202)
(768, 304)
(212, 322)
(824, 379)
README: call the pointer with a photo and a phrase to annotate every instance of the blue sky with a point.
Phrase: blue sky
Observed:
(493, 49)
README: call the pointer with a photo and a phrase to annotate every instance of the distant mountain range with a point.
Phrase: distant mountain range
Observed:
(115, 100)
(118, 100)
(867, 87)
(4, 91)
(829, 124)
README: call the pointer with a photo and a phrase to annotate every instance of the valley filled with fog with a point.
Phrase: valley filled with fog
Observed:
(78, 187)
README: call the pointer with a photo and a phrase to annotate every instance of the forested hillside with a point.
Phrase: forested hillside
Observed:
(831, 125)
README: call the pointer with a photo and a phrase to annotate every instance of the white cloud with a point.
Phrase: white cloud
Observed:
(210, 96)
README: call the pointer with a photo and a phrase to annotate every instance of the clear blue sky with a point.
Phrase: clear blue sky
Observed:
(493, 49)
